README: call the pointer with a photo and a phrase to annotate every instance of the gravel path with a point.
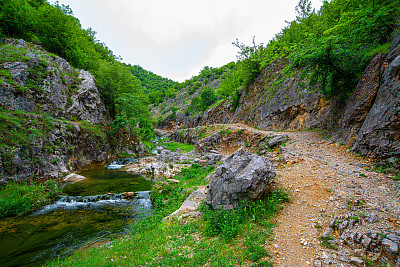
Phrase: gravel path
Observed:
(326, 181)
(334, 190)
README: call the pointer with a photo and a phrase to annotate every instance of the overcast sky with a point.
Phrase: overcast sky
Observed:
(177, 38)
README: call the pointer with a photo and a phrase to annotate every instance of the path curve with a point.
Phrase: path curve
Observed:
(325, 181)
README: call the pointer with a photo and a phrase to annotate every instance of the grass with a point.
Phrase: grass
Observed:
(175, 145)
(325, 242)
(21, 198)
(218, 238)
(372, 263)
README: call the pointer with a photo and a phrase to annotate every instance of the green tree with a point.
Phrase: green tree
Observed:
(303, 9)
(207, 98)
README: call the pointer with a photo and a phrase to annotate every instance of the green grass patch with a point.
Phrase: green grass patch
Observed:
(218, 238)
(174, 145)
(20, 128)
(94, 130)
(325, 242)
(20, 198)
(11, 53)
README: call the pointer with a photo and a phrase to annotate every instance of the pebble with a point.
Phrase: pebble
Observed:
(393, 237)
(356, 261)
(328, 232)
(317, 263)
(390, 247)
(366, 241)
(359, 252)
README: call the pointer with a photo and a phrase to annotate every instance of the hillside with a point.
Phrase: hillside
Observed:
(156, 88)
(334, 80)
(53, 120)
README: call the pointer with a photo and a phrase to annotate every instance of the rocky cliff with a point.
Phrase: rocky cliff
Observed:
(368, 122)
(52, 119)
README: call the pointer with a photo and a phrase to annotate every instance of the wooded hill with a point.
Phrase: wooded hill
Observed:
(330, 48)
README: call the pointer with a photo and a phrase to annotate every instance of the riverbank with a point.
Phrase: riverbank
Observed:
(21, 198)
(217, 238)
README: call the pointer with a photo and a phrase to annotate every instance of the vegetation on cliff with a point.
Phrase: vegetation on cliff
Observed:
(56, 29)
(332, 47)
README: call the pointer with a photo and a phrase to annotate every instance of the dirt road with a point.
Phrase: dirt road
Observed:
(325, 180)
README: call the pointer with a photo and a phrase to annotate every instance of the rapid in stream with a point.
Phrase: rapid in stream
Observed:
(82, 219)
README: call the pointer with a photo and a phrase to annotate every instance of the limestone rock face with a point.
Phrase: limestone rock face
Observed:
(242, 176)
(379, 135)
(48, 84)
(360, 101)
(40, 93)
(86, 103)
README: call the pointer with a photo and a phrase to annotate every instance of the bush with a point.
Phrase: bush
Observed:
(224, 222)
(207, 98)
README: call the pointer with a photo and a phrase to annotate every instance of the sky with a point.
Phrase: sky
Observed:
(178, 38)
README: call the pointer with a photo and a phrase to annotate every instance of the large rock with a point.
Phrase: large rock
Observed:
(360, 102)
(241, 177)
(207, 144)
(174, 157)
(212, 158)
(379, 135)
(277, 140)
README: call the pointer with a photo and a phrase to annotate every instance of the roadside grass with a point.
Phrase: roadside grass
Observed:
(217, 238)
(19, 198)
(174, 145)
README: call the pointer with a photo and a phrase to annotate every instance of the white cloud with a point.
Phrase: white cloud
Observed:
(177, 38)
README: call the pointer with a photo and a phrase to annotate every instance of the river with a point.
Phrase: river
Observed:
(59, 229)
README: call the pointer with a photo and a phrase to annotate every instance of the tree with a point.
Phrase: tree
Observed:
(207, 97)
(303, 9)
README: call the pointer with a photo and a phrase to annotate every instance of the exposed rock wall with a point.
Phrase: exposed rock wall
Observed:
(273, 102)
(379, 135)
(52, 119)
(360, 102)
(46, 83)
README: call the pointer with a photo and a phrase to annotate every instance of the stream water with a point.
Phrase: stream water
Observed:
(67, 225)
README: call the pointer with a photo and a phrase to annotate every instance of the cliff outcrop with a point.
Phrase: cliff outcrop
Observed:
(52, 119)
(370, 122)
